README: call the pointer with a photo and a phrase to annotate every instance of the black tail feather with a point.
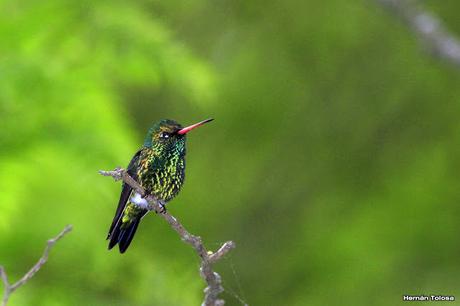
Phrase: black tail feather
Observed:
(127, 236)
(123, 236)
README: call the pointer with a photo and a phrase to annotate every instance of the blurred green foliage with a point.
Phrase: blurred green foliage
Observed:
(332, 162)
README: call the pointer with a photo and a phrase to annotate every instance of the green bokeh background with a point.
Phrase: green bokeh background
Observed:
(333, 161)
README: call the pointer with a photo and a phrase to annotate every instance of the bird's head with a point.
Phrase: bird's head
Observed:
(169, 136)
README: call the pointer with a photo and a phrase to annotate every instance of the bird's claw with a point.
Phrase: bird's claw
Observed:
(146, 194)
(162, 208)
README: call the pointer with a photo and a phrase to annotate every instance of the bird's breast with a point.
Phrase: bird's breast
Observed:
(163, 178)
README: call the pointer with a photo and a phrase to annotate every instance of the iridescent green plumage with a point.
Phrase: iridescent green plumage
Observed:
(159, 167)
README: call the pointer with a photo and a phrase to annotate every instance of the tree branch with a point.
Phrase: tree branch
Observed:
(428, 28)
(208, 258)
(10, 288)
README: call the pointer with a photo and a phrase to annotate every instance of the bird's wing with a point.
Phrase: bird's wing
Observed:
(125, 191)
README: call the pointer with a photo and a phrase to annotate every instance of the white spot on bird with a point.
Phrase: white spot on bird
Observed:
(139, 201)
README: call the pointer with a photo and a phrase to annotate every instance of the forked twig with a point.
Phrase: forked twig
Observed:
(10, 288)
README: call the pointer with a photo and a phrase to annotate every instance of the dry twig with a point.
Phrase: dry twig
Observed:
(213, 280)
(10, 288)
(428, 28)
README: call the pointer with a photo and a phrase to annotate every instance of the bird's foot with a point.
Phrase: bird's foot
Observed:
(146, 194)
(162, 208)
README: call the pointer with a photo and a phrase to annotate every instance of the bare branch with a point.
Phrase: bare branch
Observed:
(428, 28)
(212, 279)
(10, 288)
(224, 249)
(6, 286)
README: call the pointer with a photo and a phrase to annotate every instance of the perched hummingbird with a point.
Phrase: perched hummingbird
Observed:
(159, 167)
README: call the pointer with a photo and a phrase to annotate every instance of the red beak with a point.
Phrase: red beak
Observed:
(187, 129)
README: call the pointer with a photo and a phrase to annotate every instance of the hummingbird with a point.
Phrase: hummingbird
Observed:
(159, 167)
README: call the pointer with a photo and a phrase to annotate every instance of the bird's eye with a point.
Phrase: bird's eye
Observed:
(164, 135)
